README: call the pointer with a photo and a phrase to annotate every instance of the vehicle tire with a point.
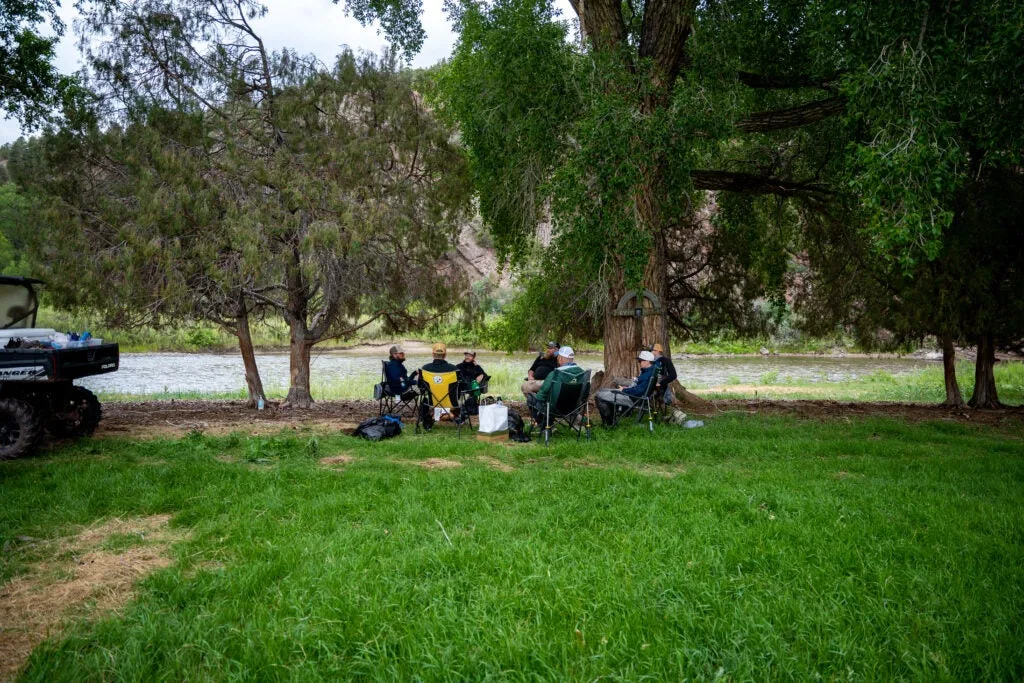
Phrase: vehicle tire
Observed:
(75, 413)
(20, 430)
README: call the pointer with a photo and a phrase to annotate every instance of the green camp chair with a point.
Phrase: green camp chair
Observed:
(568, 404)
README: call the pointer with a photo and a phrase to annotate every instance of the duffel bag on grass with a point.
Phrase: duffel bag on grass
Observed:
(377, 428)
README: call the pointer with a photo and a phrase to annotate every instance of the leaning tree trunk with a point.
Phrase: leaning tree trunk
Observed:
(953, 397)
(985, 395)
(299, 395)
(252, 371)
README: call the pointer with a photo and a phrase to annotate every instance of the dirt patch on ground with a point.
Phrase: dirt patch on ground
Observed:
(337, 460)
(432, 463)
(79, 578)
(495, 464)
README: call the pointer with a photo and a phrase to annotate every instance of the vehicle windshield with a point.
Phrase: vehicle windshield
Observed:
(18, 306)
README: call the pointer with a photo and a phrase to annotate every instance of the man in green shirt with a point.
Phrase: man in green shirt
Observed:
(566, 370)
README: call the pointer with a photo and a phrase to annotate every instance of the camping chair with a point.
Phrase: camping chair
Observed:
(642, 402)
(442, 392)
(388, 402)
(466, 391)
(568, 404)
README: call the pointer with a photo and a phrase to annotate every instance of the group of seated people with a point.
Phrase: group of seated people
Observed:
(540, 378)
(537, 386)
(400, 383)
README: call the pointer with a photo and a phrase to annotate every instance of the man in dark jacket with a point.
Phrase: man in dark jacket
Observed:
(398, 380)
(610, 400)
(544, 364)
(469, 369)
(666, 374)
(470, 372)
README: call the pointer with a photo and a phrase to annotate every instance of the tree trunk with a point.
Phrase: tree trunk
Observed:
(252, 371)
(623, 337)
(953, 397)
(299, 395)
(985, 395)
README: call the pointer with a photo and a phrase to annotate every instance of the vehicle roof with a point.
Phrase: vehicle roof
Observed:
(19, 280)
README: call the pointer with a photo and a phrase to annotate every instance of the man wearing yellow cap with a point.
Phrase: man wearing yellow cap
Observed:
(439, 365)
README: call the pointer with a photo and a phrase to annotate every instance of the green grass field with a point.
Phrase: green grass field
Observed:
(754, 548)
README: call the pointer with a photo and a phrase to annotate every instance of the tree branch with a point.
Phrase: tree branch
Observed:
(752, 80)
(749, 183)
(794, 117)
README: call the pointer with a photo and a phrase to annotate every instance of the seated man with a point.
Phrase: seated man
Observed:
(609, 400)
(666, 374)
(471, 372)
(399, 383)
(566, 359)
(440, 365)
(538, 372)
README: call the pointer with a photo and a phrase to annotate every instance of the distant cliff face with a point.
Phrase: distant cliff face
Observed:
(477, 261)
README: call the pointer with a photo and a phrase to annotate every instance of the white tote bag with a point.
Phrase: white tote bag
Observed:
(493, 419)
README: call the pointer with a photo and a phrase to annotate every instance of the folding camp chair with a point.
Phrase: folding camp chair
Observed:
(388, 402)
(642, 402)
(466, 391)
(568, 404)
(442, 391)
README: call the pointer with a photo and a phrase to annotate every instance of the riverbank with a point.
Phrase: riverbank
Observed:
(351, 376)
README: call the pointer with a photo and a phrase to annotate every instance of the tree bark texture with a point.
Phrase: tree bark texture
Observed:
(253, 381)
(985, 395)
(953, 397)
(793, 117)
(299, 395)
(300, 341)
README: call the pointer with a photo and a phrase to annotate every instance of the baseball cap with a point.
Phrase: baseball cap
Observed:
(566, 352)
(552, 345)
(440, 348)
(657, 348)
(646, 355)
(396, 349)
(471, 352)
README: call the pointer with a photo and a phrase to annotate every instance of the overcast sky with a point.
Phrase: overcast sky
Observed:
(308, 26)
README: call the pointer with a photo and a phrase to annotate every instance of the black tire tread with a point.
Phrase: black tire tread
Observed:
(88, 416)
(29, 424)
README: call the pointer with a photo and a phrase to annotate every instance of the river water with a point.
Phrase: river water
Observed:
(155, 373)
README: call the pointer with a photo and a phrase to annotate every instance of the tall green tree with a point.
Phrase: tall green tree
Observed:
(899, 110)
(30, 84)
(339, 189)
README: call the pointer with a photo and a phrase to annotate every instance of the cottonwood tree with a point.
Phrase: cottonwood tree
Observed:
(904, 107)
(609, 137)
(341, 185)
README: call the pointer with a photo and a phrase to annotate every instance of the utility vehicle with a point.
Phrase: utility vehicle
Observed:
(37, 390)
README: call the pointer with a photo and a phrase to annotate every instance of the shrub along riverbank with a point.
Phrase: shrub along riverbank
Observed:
(752, 548)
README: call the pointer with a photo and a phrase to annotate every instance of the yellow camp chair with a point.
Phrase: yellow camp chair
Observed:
(442, 392)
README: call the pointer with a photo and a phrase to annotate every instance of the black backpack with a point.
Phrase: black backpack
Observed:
(515, 428)
(377, 428)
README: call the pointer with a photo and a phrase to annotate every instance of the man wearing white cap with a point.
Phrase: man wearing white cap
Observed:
(608, 399)
(566, 369)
